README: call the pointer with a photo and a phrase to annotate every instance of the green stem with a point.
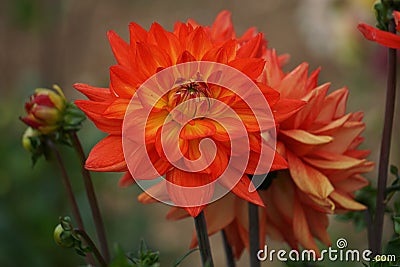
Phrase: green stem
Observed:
(68, 187)
(230, 260)
(204, 243)
(92, 245)
(254, 234)
(97, 218)
(385, 148)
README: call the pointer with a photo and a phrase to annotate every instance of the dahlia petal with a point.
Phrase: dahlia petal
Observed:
(334, 106)
(89, 106)
(293, 85)
(306, 117)
(251, 67)
(342, 175)
(333, 125)
(94, 110)
(285, 108)
(123, 83)
(312, 81)
(249, 33)
(222, 28)
(176, 213)
(126, 180)
(308, 179)
(396, 16)
(117, 109)
(252, 48)
(150, 122)
(241, 189)
(170, 142)
(381, 37)
(219, 214)
(282, 196)
(107, 156)
(305, 137)
(137, 33)
(302, 229)
(234, 239)
(144, 161)
(159, 191)
(351, 184)
(211, 156)
(197, 128)
(194, 192)
(343, 137)
(120, 49)
(273, 73)
(198, 43)
(318, 223)
(170, 43)
(150, 58)
(346, 201)
(325, 160)
(93, 93)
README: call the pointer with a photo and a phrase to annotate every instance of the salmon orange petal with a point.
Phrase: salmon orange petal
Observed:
(197, 128)
(107, 156)
(381, 37)
(301, 229)
(126, 180)
(308, 179)
(120, 49)
(93, 93)
(346, 201)
(242, 189)
(189, 190)
(222, 28)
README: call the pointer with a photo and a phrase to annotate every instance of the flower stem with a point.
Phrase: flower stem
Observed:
(91, 244)
(230, 260)
(254, 234)
(68, 187)
(204, 243)
(98, 221)
(385, 147)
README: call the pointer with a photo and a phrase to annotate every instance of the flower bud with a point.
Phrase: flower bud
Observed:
(28, 139)
(45, 109)
(63, 238)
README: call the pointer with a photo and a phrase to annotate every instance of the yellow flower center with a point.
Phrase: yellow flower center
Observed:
(189, 101)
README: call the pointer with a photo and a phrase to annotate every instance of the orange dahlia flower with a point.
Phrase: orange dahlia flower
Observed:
(320, 144)
(176, 122)
(382, 37)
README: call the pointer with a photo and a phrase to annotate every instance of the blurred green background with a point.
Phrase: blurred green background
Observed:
(51, 41)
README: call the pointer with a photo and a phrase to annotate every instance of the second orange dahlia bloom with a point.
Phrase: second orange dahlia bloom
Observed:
(320, 143)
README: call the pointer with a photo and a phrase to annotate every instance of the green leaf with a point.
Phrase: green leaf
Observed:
(120, 259)
(394, 170)
(179, 261)
(396, 223)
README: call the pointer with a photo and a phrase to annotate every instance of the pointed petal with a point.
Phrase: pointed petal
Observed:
(381, 37)
(107, 156)
(93, 93)
(126, 180)
(241, 189)
(120, 48)
(308, 179)
(346, 201)
(189, 190)
(305, 137)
